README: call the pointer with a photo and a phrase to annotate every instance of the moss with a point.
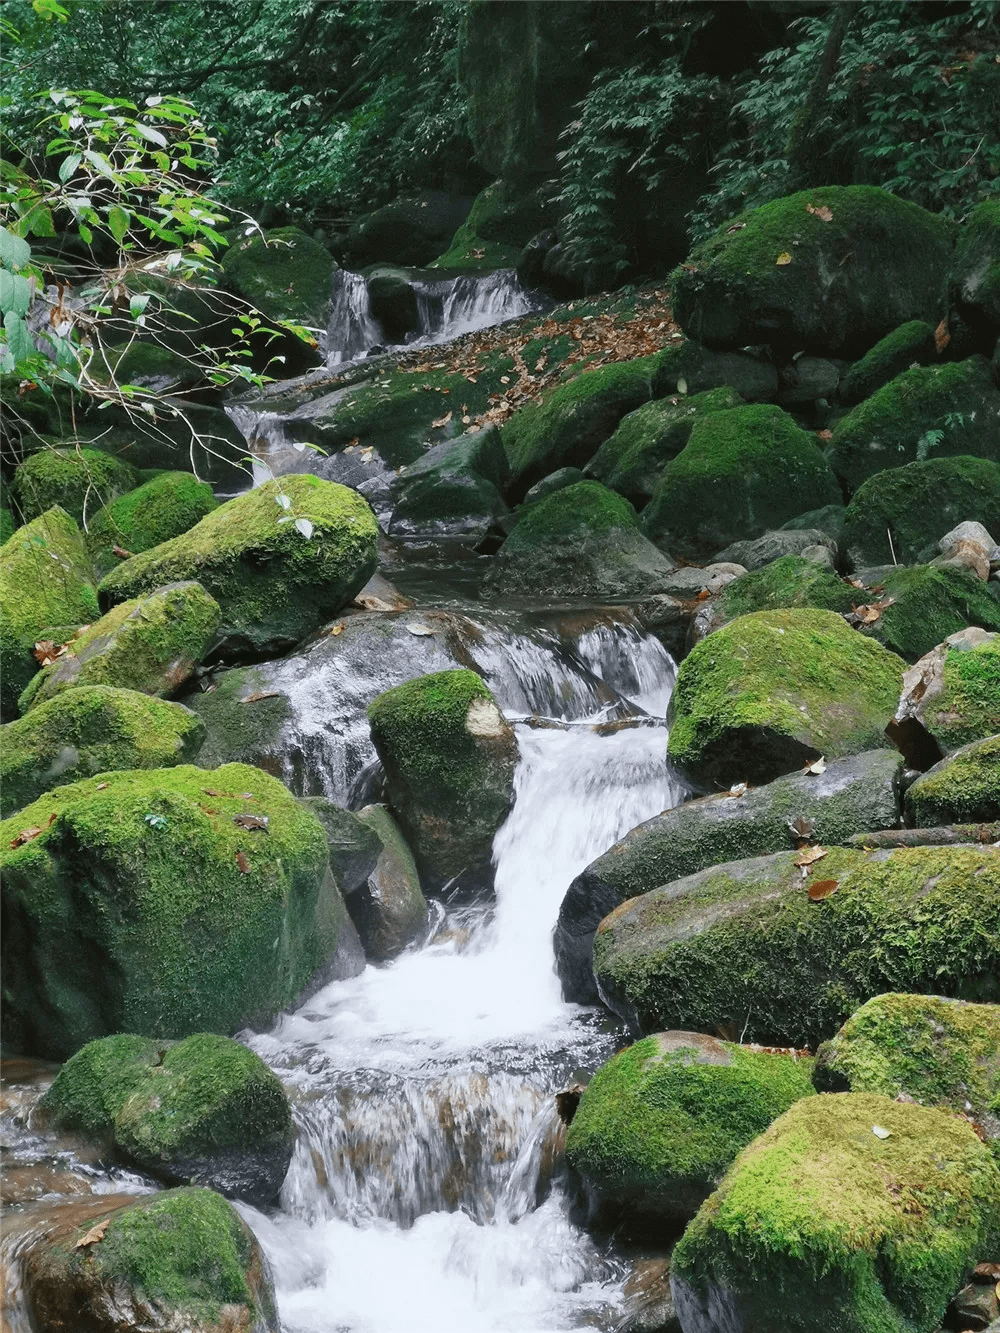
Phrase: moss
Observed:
(974, 284)
(822, 1224)
(583, 509)
(8, 524)
(286, 274)
(968, 707)
(241, 733)
(913, 342)
(148, 364)
(787, 582)
(154, 512)
(93, 1085)
(91, 729)
(928, 604)
(502, 220)
(79, 480)
(962, 788)
(742, 472)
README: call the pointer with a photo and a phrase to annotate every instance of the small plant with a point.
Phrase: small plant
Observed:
(156, 821)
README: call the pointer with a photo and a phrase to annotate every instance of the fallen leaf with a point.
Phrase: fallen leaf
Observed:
(441, 421)
(823, 213)
(737, 226)
(121, 553)
(46, 651)
(783, 258)
(802, 828)
(822, 888)
(466, 420)
(986, 1269)
(816, 767)
(504, 379)
(420, 631)
(352, 444)
(808, 856)
(247, 796)
(941, 336)
(55, 814)
(738, 790)
(825, 434)
(95, 1234)
(243, 863)
(210, 791)
(26, 835)
(880, 1133)
(100, 786)
(337, 629)
(260, 694)
(259, 822)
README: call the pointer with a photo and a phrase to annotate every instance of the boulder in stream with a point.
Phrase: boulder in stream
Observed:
(160, 509)
(919, 606)
(389, 910)
(284, 273)
(952, 694)
(80, 481)
(453, 491)
(962, 788)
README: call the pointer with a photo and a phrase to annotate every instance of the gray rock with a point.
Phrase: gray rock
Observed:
(773, 545)
(390, 911)
(808, 378)
(971, 532)
(829, 520)
(354, 844)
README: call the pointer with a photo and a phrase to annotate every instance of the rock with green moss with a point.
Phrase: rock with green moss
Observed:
(502, 220)
(912, 344)
(633, 458)
(929, 412)
(353, 844)
(581, 541)
(203, 1111)
(389, 910)
(284, 273)
(150, 365)
(8, 524)
(659, 1125)
(776, 689)
(962, 788)
(449, 757)
(154, 512)
(689, 367)
(276, 581)
(555, 481)
(181, 1259)
(92, 729)
(953, 692)
(744, 945)
(787, 582)
(899, 515)
(81, 481)
(392, 298)
(848, 797)
(924, 605)
(453, 491)
(826, 1223)
(741, 472)
(411, 229)
(974, 279)
(157, 902)
(45, 579)
(829, 270)
(829, 519)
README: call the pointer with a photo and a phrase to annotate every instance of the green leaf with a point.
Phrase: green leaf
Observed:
(85, 233)
(15, 294)
(154, 136)
(39, 221)
(137, 304)
(14, 252)
(17, 337)
(100, 162)
(68, 166)
(119, 221)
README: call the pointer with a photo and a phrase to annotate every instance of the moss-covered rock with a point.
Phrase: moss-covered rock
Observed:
(744, 945)
(412, 229)
(581, 541)
(45, 579)
(900, 514)
(954, 690)
(502, 220)
(389, 910)
(449, 759)
(154, 512)
(911, 344)
(8, 524)
(926, 604)
(803, 540)
(180, 1259)
(688, 367)
(823, 1224)
(92, 729)
(150, 644)
(80, 481)
(931, 411)
(149, 365)
(273, 583)
(960, 789)
(790, 275)
(974, 278)
(453, 490)
(204, 1111)
(786, 582)
(829, 519)
(284, 273)
(660, 1124)
(150, 902)
(771, 690)
(353, 844)
(741, 472)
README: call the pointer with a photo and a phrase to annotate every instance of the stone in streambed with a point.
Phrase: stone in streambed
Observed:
(911, 344)
(80, 481)
(921, 606)
(778, 545)
(960, 789)
(389, 910)
(453, 491)
(353, 844)
(791, 581)
(160, 509)
(284, 273)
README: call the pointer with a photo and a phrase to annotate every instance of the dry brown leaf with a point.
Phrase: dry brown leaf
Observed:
(988, 1270)
(260, 694)
(210, 791)
(783, 258)
(737, 226)
(807, 857)
(739, 789)
(822, 888)
(504, 379)
(257, 822)
(442, 421)
(337, 629)
(802, 828)
(816, 767)
(95, 1234)
(46, 651)
(121, 553)
(825, 434)
(823, 213)
(26, 835)
(941, 336)
(243, 863)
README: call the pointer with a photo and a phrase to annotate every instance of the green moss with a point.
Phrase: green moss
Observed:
(502, 220)
(8, 524)
(928, 604)
(286, 274)
(787, 582)
(975, 271)
(968, 707)
(962, 788)
(79, 480)
(93, 1085)
(584, 509)
(153, 513)
(912, 343)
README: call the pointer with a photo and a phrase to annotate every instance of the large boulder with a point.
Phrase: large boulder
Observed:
(688, 367)
(412, 229)
(828, 270)
(741, 472)
(789, 581)
(770, 691)
(160, 902)
(660, 1124)
(283, 273)
(80, 481)
(913, 343)
(953, 692)
(389, 910)
(974, 279)
(501, 222)
(160, 509)
(752, 945)
(792, 538)
(849, 796)
(202, 1111)
(452, 491)
(92, 729)
(961, 789)
(851, 1212)
(922, 606)
(276, 581)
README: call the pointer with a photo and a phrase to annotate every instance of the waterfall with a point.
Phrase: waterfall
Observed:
(352, 329)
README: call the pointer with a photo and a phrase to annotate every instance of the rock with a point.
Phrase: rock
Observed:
(693, 581)
(354, 845)
(204, 1111)
(581, 541)
(453, 490)
(182, 1259)
(661, 1122)
(503, 219)
(849, 279)
(148, 365)
(924, 605)
(945, 835)
(91, 729)
(791, 581)
(273, 583)
(849, 796)
(828, 519)
(969, 546)
(45, 580)
(150, 644)
(284, 273)
(389, 910)
(776, 545)
(153, 513)
(741, 947)
(555, 481)
(770, 691)
(179, 433)
(947, 411)
(960, 789)
(953, 692)
(411, 230)
(898, 515)
(690, 368)
(833, 1239)
(80, 481)
(131, 911)
(393, 300)
(974, 277)
(807, 379)
(911, 344)
(742, 472)
(667, 618)
(922, 1048)
(649, 1306)
(449, 758)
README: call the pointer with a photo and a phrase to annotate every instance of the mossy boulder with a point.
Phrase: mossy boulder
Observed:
(203, 1111)
(743, 944)
(389, 910)
(829, 270)
(741, 472)
(412, 229)
(803, 539)
(911, 344)
(149, 365)
(502, 220)
(974, 279)
(632, 459)
(80, 481)
(788, 581)
(961, 789)
(449, 758)
(353, 844)
(848, 797)
(899, 515)
(453, 490)
(45, 579)
(772, 690)
(181, 1259)
(152, 902)
(274, 581)
(8, 524)
(926, 604)
(823, 1223)
(688, 367)
(930, 411)
(284, 273)
(659, 1125)
(154, 512)
(954, 690)
(92, 729)
(150, 644)
(581, 541)
(392, 297)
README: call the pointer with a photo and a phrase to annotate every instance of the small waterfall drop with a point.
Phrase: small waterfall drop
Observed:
(352, 329)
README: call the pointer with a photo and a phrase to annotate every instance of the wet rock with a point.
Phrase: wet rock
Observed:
(393, 300)
(354, 846)
(951, 695)
(453, 491)
(919, 607)
(389, 910)
(284, 273)
(961, 788)
(649, 1304)
(690, 368)
(808, 378)
(555, 481)
(790, 581)
(776, 545)
(411, 230)
(911, 344)
(828, 519)
(80, 481)
(974, 277)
